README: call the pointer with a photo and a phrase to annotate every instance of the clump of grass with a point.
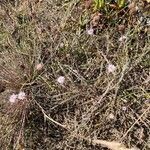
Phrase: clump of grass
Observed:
(98, 4)
(102, 4)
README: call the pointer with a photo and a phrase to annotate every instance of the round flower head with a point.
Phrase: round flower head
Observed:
(124, 108)
(122, 38)
(13, 98)
(111, 116)
(111, 68)
(39, 66)
(61, 79)
(21, 95)
(90, 31)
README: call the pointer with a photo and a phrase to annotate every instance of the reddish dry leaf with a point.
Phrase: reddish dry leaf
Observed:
(95, 18)
(113, 6)
(121, 28)
(88, 3)
(132, 8)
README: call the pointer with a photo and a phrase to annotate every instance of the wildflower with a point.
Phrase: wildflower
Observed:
(111, 116)
(39, 66)
(124, 108)
(61, 80)
(61, 45)
(21, 95)
(111, 68)
(122, 38)
(90, 31)
(13, 98)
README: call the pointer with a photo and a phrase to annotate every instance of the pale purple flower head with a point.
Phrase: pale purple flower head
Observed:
(111, 116)
(90, 31)
(124, 108)
(111, 68)
(13, 98)
(21, 95)
(39, 66)
(122, 38)
(61, 80)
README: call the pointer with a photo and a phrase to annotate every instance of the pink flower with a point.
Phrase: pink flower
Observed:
(124, 108)
(61, 80)
(111, 116)
(21, 95)
(111, 68)
(122, 38)
(39, 66)
(13, 98)
(90, 31)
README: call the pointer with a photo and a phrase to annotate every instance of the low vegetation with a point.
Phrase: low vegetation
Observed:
(74, 75)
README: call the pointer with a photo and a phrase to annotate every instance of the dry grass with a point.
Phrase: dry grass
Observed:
(93, 109)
